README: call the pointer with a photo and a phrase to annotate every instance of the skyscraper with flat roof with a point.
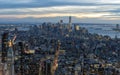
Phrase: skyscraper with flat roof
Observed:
(4, 46)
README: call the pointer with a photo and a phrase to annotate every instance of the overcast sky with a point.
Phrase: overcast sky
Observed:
(83, 10)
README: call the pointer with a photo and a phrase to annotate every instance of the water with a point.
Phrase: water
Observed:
(102, 29)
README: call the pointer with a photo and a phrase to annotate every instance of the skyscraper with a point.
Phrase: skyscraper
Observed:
(4, 46)
(10, 58)
(70, 20)
(21, 46)
(70, 23)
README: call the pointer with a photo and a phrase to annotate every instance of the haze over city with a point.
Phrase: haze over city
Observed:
(85, 11)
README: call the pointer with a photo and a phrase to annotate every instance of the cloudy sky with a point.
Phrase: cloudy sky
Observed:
(96, 11)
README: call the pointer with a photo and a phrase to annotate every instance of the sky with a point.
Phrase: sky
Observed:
(89, 11)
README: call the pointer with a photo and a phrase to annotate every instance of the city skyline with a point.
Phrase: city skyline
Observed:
(90, 11)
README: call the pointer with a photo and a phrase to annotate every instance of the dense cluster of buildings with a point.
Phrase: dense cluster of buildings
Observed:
(58, 49)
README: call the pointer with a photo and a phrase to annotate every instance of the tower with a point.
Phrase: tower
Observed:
(7, 54)
(21, 47)
(10, 55)
(70, 23)
(70, 20)
(4, 46)
(117, 26)
(4, 52)
(10, 58)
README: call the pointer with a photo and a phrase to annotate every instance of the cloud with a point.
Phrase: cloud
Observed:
(78, 11)
(44, 10)
(101, 9)
(48, 3)
(78, 1)
(78, 15)
(43, 3)
(110, 1)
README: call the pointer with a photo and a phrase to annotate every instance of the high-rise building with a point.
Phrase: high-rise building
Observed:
(70, 19)
(48, 67)
(4, 46)
(7, 54)
(61, 24)
(117, 26)
(45, 67)
(76, 27)
(21, 47)
(70, 23)
(61, 21)
(4, 52)
(10, 58)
